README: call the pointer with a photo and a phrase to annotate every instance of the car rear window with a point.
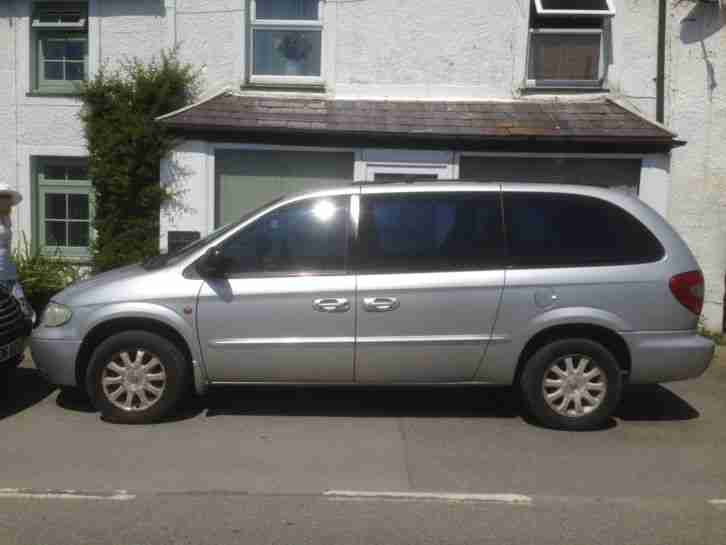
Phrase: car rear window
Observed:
(554, 230)
(430, 232)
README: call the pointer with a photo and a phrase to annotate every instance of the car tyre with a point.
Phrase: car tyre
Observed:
(137, 377)
(572, 384)
(7, 368)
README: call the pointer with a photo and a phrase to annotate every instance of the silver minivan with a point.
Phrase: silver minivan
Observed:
(565, 292)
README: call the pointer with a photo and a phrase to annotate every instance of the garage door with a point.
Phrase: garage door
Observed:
(621, 174)
(246, 179)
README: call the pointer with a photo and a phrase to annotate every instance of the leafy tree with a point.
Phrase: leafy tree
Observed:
(126, 146)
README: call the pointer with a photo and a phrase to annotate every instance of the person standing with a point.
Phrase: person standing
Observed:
(8, 272)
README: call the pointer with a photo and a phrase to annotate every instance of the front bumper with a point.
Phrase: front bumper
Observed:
(665, 356)
(56, 359)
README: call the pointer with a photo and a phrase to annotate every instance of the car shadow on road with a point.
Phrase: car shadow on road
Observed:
(653, 402)
(490, 402)
(640, 403)
(21, 389)
(455, 401)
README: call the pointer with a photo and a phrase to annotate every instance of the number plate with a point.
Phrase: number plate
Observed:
(13, 349)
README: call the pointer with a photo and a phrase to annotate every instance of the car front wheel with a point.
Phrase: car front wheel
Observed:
(137, 377)
(572, 384)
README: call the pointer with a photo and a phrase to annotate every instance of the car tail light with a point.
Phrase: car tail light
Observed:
(688, 289)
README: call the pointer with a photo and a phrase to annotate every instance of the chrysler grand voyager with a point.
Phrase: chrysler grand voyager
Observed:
(566, 292)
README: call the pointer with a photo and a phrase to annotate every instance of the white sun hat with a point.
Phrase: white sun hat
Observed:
(6, 190)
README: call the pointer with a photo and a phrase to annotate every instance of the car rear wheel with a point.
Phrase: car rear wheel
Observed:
(572, 384)
(136, 377)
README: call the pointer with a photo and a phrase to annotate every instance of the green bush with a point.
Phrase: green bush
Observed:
(126, 146)
(43, 276)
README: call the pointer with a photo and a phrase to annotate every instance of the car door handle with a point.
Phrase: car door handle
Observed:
(331, 305)
(380, 304)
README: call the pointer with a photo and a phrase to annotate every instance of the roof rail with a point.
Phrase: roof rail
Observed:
(418, 180)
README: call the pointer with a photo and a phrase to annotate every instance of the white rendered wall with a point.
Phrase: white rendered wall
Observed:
(655, 181)
(697, 112)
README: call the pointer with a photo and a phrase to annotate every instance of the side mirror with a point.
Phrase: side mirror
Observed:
(212, 264)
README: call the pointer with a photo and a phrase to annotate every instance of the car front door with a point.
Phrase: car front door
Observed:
(284, 308)
(430, 279)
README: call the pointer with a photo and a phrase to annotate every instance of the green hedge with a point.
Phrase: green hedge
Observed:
(126, 146)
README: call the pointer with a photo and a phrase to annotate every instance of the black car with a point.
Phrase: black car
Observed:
(15, 327)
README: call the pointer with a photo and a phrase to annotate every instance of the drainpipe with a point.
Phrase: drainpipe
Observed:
(660, 71)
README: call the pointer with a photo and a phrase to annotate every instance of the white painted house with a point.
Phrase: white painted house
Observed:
(301, 92)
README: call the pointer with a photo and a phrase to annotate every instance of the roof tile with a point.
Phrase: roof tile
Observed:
(604, 120)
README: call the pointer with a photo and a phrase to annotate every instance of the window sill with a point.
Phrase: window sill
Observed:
(69, 259)
(286, 82)
(543, 89)
(53, 94)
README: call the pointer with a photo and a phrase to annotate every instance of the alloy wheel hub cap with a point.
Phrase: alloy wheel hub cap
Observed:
(574, 385)
(134, 380)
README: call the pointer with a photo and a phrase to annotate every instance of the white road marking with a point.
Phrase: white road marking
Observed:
(116, 495)
(441, 496)
(717, 502)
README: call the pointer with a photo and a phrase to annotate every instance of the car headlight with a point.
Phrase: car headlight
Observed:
(56, 315)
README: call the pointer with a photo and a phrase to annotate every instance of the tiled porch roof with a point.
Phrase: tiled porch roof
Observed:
(592, 121)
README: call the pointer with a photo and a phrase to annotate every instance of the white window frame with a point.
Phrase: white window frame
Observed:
(441, 171)
(566, 83)
(281, 24)
(610, 12)
(81, 23)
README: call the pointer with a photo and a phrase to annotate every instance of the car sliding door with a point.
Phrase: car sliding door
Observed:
(430, 278)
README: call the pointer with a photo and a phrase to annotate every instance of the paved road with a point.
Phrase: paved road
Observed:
(252, 465)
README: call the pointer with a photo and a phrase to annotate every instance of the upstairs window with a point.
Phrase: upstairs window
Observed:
(60, 42)
(286, 42)
(566, 43)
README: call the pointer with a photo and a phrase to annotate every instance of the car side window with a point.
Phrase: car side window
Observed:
(430, 232)
(555, 230)
(305, 237)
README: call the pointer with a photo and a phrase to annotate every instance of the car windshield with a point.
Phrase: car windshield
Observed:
(173, 257)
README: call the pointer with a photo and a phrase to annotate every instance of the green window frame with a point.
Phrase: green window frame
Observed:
(65, 207)
(60, 43)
